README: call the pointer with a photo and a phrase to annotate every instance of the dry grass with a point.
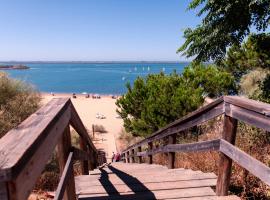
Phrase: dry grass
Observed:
(249, 83)
(18, 100)
(99, 128)
(126, 139)
(250, 139)
(49, 179)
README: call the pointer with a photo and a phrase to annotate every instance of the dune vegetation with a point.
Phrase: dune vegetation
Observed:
(18, 100)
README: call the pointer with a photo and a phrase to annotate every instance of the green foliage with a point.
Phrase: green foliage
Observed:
(213, 81)
(265, 90)
(18, 100)
(159, 99)
(252, 54)
(224, 23)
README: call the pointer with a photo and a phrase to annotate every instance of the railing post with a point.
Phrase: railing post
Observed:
(128, 159)
(64, 147)
(91, 162)
(225, 163)
(84, 163)
(133, 156)
(4, 191)
(150, 157)
(171, 156)
(139, 157)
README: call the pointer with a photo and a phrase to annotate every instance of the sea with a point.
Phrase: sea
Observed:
(99, 78)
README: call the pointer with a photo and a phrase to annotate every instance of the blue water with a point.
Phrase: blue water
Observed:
(102, 78)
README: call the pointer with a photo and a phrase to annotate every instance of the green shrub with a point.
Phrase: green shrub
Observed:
(18, 100)
(158, 99)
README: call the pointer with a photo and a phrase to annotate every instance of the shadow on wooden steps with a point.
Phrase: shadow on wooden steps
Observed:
(133, 183)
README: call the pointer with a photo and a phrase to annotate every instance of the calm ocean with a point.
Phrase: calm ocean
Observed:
(102, 78)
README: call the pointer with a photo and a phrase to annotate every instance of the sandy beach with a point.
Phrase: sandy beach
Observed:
(87, 109)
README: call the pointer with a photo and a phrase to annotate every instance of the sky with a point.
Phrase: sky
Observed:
(93, 30)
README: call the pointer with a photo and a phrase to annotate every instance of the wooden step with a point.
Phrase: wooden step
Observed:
(146, 176)
(88, 188)
(151, 195)
(146, 182)
(92, 180)
(135, 171)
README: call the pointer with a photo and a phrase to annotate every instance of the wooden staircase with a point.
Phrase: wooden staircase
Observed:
(142, 181)
(26, 149)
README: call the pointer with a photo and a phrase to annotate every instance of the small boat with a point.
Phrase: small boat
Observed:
(135, 68)
(148, 68)
(163, 69)
(123, 78)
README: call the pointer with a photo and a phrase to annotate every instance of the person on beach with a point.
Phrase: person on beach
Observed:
(113, 156)
(117, 157)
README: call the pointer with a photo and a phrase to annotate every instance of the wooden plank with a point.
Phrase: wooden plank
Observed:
(155, 177)
(249, 104)
(225, 163)
(159, 194)
(86, 188)
(66, 174)
(150, 157)
(254, 166)
(80, 155)
(3, 191)
(139, 158)
(21, 186)
(94, 180)
(197, 117)
(128, 158)
(248, 116)
(132, 156)
(211, 145)
(63, 152)
(171, 155)
(20, 144)
(84, 163)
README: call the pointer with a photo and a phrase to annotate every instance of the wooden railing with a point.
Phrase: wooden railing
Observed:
(25, 150)
(233, 108)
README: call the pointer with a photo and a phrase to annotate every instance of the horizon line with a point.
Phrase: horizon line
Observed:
(95, 61)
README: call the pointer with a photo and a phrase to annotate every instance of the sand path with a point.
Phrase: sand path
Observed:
(87, 109)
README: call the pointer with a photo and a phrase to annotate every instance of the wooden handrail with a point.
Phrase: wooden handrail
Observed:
(199, 116)
(26, 149)
(64, 178)
(233, 108)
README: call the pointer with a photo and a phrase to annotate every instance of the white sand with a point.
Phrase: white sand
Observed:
(87, 109)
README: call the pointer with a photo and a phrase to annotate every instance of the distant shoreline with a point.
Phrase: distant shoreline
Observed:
(70, 94)
(13, 67)
(92, 62)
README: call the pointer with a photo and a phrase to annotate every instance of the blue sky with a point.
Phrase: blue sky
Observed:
(91, 30)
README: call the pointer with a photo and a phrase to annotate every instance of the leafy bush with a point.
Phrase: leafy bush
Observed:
(158, 99)
(252, 54)
(18, 100)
